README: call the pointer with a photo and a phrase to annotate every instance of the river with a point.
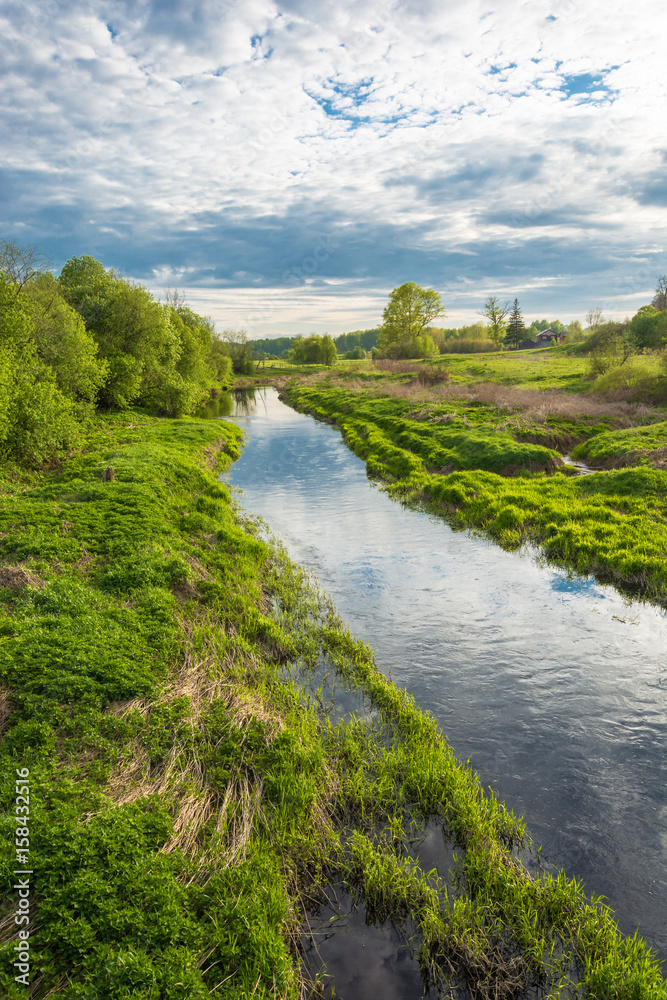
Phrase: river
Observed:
(552, 685)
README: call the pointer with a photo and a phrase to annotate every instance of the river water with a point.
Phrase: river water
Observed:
(553, 686)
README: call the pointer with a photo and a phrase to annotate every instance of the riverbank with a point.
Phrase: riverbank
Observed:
(189, 797)
(489, 457)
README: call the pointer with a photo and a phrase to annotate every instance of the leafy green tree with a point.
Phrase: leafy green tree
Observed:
(648, 328)
(240, 349)
(474, 331)
(410, 310)
(37, 421)
(63, 342)
(575, 332)
(427, 345)
(546, 324)
(221, 362)
(329, 353)
(495, 312)
(516, 328)
(313, 350)
(87, 286)
(611, 345)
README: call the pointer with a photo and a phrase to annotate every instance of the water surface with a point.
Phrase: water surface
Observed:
(553, 686)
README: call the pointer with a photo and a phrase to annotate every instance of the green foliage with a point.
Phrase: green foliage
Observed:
(496, 312)
(465, 346)
(240, 350)
(610, 346)
(37, 421)
(313, 350)
(162, 357)
(357, 354)
(409, 312)
(62, 341)
(648, 328)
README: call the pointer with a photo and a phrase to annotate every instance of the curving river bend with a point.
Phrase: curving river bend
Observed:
(554, 686)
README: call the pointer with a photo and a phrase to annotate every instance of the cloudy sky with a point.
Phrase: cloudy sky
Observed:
(287, 163)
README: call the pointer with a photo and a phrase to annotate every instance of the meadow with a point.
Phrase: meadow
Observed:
(191, 792)
(482, 442)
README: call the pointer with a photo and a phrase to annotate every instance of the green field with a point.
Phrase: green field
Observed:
(485, 449)
(161, 680)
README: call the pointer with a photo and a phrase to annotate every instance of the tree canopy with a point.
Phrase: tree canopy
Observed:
(406, 318)
(91, 338)
(313, 350)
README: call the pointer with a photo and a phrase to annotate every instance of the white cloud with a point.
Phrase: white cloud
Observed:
(223, 139)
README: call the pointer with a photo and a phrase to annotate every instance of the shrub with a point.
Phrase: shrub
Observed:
(466, 346)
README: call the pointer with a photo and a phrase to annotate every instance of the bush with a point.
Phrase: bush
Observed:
(610, 346)
(625, 378)
(465, 346)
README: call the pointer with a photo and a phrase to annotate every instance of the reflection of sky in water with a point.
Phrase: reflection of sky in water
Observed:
(577, 585)
(553, 685)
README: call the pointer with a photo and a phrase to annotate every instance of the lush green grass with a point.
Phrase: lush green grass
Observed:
(632, 446)
(187, 793)
(544, 368)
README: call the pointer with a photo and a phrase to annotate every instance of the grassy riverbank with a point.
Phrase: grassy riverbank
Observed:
(190, 799)
(488, 456)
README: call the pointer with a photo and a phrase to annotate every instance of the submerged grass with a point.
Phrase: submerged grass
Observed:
(486, 457)
(188, 798)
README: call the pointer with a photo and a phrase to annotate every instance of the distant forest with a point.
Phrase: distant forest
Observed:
(278, 347)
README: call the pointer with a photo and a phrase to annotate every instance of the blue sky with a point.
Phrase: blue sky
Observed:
(286, 164)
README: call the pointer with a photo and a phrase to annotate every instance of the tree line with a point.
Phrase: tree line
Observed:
(90, 339)
(408, 329)
(355, 345)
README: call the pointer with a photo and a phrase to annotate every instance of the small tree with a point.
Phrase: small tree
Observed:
(660, 299)
(407, 314)
(329, 353)
(240, 350)
(575, 332)
(22, 263)
(515, 327)
(495, 313)
(611, 346)
(594, 319)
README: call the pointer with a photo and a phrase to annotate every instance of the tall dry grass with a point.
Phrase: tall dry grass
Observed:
(535, 405)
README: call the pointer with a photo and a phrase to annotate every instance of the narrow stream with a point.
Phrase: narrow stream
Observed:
(554, 686)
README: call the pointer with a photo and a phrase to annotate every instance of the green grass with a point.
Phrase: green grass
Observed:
(187, 793)
(632, 446)
(543, 368)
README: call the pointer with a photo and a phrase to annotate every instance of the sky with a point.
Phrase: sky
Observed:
(285, 163)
